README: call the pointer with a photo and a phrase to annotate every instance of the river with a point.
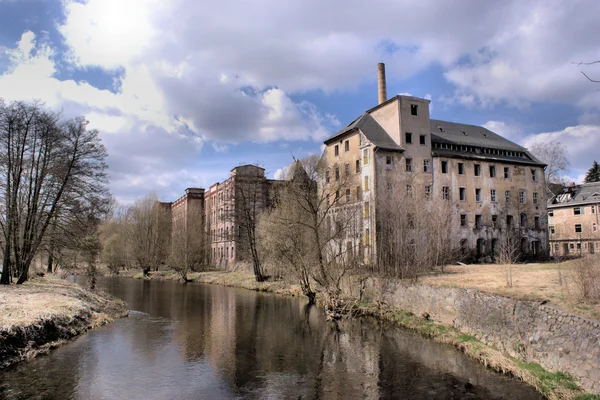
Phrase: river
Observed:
(197, 341)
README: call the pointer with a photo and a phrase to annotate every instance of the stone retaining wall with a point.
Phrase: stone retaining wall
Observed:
(528, 330)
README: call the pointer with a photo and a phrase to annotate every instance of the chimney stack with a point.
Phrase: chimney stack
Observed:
(382, 91)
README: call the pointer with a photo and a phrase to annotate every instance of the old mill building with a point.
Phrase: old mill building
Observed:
(494, 186)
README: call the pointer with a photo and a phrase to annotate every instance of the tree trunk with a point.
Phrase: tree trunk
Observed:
(5, 279)
(50, 261)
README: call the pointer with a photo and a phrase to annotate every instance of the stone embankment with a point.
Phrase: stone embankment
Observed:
(44, 313)
(527, 330)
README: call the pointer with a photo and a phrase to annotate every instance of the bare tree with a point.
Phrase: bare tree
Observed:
(49, 171)
(188, 243)
(554, 154)
(416, 236)
(114, 238)
(302, 236)
(149, 233)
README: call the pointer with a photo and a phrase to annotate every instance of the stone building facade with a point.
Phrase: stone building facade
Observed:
(573, 220)
(493, 185)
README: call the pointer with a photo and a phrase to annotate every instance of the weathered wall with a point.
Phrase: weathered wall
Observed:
(528, 330)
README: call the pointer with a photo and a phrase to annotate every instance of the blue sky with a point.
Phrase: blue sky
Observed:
(183, 90)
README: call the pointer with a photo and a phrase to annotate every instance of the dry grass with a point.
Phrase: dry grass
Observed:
(45, 312)
(549, 281)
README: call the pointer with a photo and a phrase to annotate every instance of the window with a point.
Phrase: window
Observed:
(477, 169)
(493, 195)
(524, 221)
(347, 146)
(533, 176)
(357, 166)
(507, 196)
(408, 137)
(571, 246)
(593, 209)
(492, 171)
(409, 190)
(366, 209)
(347, 195)
(536, 222)
(366, 184)
(552, 229)
(445, 193)
(427, 192)
(389, 161)
(577, 228)
(463, 219)
(506, 172)
(551, 213)
(444, 167)
(494, 221)
(521, 197)
(577, 211)
(414, 109)
(367, 238)
(478, 222)
(477, 194)
(462, 194)
(347, 169)
(426, 166)
(461, 168)
(409, 165)
(327, 176)
(358, 194)
(336, 150)
(337, 174)
(337, 195)
(509, 221)
(535, 198)
(423, 140)
(365, 156)
(594, 227)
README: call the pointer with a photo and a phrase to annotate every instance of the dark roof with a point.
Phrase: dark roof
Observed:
(579, 194)
(372, 130)
(479, 137)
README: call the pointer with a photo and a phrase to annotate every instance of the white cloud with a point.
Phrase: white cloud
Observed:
(581, 141)
(510, 132)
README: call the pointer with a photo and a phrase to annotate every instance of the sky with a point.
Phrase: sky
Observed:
(182, 91)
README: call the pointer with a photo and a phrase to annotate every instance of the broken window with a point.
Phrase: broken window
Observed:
(337, 174)
(477, 195)
(414, 109)
(477, 169)
(493, 195)
(409, 190)
(463, 219)
(461, 168)
(551, 213)
(389, 161)
(533, 175)
(426, 166)
(423, 140)
(494, 221)
(357, 166)
(506, 172)
(552, 229)
(524, 221)
(427, 192)
(577, 228)
(462, 194)
(408, 137)
(445, 192)
(409, 165)
(509, 221)
(478, 222)
(347, 195)
(536, 221)
(327, 176)
(535, 198)
(577, 211)
(444, 167)
(492, 171)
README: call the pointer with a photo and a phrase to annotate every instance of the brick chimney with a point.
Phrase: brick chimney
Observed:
(382, 91)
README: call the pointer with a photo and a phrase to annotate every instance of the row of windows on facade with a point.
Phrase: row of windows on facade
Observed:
(478, 150)
(576, 211)
(578, 228)
(223, 252)
(494, 224)
(571, 246)
(222, 234)
(461, 168)
(222, 196)
(346, 170)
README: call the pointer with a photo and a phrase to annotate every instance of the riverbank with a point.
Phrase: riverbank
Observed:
(554, 385)
(44, 313)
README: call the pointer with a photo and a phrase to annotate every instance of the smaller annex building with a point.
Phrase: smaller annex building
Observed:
(573, 220)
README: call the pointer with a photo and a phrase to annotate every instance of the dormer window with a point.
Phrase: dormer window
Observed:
(414, 109)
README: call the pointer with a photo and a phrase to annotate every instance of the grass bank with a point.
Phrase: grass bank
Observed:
(43, 313)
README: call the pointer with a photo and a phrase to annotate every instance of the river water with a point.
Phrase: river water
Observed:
(199, 341)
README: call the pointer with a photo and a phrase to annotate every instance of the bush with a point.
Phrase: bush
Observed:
(586, 275)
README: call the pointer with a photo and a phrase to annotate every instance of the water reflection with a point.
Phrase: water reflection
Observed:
(202, 341)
